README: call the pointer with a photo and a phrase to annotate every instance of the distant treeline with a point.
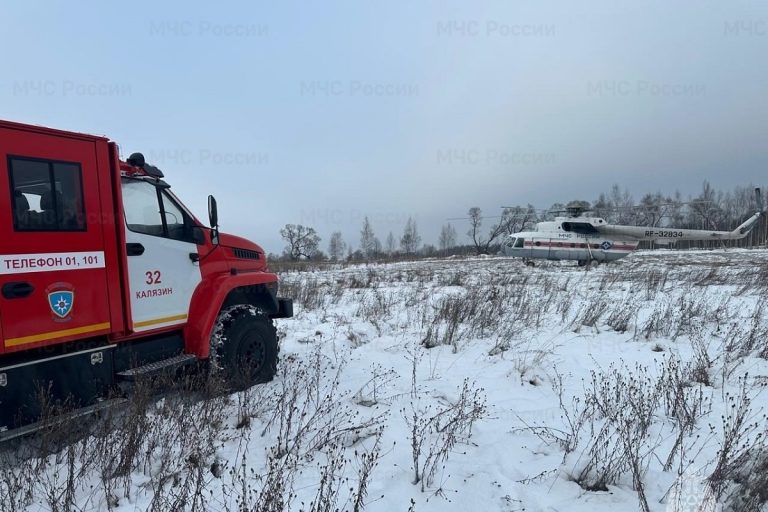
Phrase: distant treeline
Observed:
(711, 209)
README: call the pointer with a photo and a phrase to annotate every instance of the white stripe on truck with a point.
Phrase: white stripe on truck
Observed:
(50, 262)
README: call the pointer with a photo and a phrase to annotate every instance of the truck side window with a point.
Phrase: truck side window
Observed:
(152, 212)
(178, 223)
(46, 195)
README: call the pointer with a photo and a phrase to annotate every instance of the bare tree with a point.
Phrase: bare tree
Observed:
(336, 246)
(517, 218)
(302, 241)
(367, 239)
(482, 243)
(410, 240)
(602, 207)
(623, 203)
(706, 208)
(475, 223)
(676, 217)
(447, 238)
(391, 246)
(651, 209)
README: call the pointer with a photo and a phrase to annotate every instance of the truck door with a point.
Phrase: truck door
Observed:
(162, 254)
(53, 279)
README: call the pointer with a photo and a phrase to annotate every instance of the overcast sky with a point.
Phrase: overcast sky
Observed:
(319, 113)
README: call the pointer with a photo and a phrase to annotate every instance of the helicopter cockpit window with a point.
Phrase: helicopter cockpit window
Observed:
(519, 242)
(510, 242)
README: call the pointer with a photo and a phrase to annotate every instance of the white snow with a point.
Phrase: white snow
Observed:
(358, 331)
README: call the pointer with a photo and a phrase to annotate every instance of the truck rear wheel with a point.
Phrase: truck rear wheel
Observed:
(244, 346)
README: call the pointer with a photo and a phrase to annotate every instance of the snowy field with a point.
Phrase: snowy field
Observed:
(462, 384)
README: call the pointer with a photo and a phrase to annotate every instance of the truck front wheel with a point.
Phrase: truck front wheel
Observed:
(244, 346)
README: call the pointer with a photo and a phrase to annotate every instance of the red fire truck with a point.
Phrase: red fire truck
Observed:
(105, 276)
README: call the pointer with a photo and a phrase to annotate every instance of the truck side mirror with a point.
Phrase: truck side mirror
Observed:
(213, 213)
(213, 219)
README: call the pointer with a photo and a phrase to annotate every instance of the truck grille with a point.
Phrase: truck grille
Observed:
(245, 254)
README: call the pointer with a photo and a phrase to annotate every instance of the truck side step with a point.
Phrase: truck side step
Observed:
(83, 411)
(157, 368)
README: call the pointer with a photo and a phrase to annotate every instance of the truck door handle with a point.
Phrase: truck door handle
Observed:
(17, 290)
(134, 249)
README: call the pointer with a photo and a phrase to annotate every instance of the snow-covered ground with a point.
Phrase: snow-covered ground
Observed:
(469, 384)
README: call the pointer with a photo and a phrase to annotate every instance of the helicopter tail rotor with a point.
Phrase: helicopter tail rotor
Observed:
(759, 200)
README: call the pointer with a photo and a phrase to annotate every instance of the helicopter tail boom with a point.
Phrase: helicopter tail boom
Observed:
(744, 229)
(668, 235)
(674, 234)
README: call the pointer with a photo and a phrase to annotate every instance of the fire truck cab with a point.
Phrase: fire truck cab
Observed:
(105, 276)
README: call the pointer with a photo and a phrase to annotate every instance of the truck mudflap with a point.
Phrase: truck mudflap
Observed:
(284, 308)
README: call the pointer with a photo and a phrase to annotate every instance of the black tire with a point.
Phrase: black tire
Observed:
(246, 350)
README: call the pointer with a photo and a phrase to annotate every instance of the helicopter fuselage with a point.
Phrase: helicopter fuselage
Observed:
(556, 244)
(586, 239)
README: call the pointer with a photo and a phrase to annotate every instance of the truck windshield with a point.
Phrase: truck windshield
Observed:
(151, 211)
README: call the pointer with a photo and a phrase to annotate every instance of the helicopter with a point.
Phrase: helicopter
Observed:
(588, 239)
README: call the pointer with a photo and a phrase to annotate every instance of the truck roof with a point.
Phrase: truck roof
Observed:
(50, 131)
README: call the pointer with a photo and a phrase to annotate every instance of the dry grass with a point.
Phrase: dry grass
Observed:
(168, 444)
